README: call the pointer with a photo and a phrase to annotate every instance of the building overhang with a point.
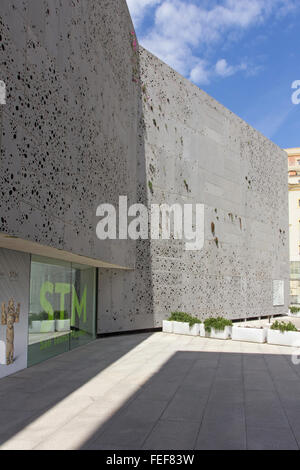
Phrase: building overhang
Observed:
(18, 244)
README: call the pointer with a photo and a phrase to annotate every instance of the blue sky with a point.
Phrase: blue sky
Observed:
(244, 53)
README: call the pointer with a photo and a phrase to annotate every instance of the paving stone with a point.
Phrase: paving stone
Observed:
(264, 409)
(172, 435)
(258, 380)
(156, 409)
(220, 435)
(274, 438)
(188, 405)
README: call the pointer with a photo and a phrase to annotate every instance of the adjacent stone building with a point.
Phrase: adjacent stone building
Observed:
(294, 222)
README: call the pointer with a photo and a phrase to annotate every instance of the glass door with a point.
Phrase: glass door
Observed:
(83, 305)
(50, 308)
(62, 307)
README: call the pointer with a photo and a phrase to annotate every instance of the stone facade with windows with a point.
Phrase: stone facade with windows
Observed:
(294, 222)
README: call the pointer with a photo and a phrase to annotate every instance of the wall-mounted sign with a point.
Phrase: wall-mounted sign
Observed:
(62, 289)
(278, 293)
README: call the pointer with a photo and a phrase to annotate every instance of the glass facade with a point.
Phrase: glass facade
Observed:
(62, 313)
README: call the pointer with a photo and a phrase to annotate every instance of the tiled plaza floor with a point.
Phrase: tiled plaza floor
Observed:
(155, 391)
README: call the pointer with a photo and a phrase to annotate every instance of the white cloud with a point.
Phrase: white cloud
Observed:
(223, 69)
(203, 72)
(183, 30)
(171, 50)
(138, 8)
(200, 73)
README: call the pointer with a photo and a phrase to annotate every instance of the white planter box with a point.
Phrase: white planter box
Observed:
(181, 328)
(287, 338)
(217, 334)
(44, 326)
(47, 326)
(62, 325)
(167, 326)
(2, 353)
(253, 335)
(35, 327)
(194, 330)
(202, 330)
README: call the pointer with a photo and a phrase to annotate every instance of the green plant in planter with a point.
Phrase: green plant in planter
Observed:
(44, 316)
(184, 318)
(193, 321)
(58, 315)
(218, 323)
(294, 309)
(283, 326)
(33, 317)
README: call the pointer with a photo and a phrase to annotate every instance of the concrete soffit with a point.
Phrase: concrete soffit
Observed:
(17, 244)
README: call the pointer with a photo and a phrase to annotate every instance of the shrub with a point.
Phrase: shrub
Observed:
(295, 309)
(44, 316)
(58, 315)
(184, 317)
(282, 326)
(33, 317)
(218, 323)
(38, 317)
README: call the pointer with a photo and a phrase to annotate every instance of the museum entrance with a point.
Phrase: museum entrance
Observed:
(62, 307)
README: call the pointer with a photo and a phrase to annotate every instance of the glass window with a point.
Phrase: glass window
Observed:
(83, 320)
(295, 292)
(62, 307)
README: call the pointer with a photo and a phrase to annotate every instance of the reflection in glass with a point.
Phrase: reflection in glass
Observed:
(62, 307)
(83, 305)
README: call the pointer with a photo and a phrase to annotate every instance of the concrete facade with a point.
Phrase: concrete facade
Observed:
(69, 135)
(69, 128)
(89, 118)
(198, 151)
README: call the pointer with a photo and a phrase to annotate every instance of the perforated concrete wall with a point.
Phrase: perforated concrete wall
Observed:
(69, 128)
(199, 152)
